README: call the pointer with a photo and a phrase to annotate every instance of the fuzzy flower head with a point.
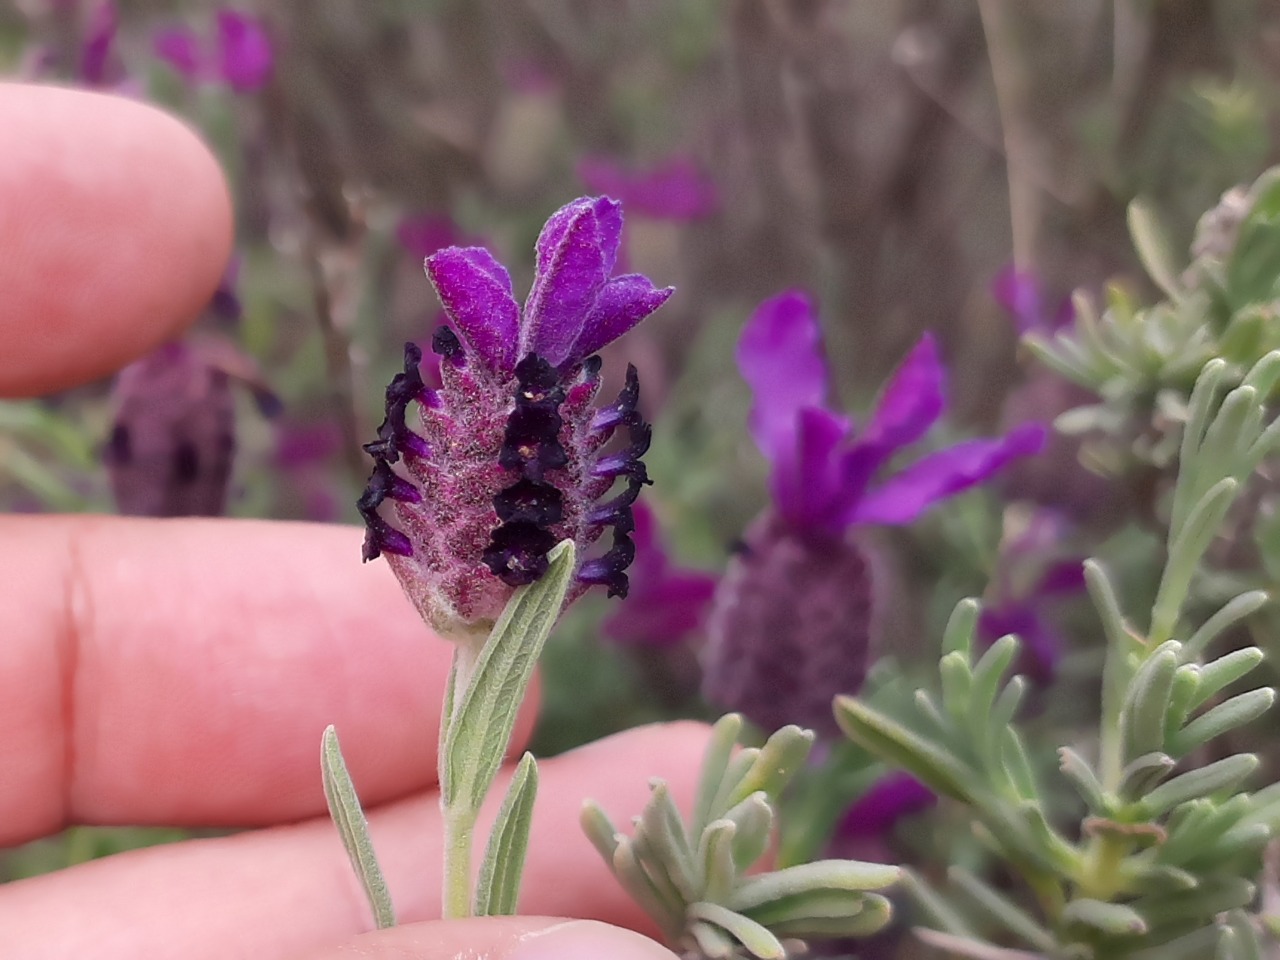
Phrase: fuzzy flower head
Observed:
(511, 454)
(797, 608)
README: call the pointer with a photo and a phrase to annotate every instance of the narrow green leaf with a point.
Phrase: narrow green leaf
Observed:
(935, 766)
(717, 872)
(1184, 556)
(1182, 697)
(782, 756)
(987, 674)
(1151, 241)
(662, 828)
(755, 938)
(666, 913)
(348, 817)
(935, 908)
(715, 763)
(1141, 774)
(969, 947)
(1077, 770)
(1206, 781)
(1001, 910)
(1213, 896)
(1219, 674)
(481, 729)
(1147, 701)
(1232, 613)
(1200, 408)
(1232, 713)
(1192, 946)
(1110, 919)
(740, 765)
(599, 829)
(816, 904)
(875, 914)
(754, 820)
(1016, 765)
(498, 888)
(957, 680)
(753, 892)
(958, 635)
(714, 943)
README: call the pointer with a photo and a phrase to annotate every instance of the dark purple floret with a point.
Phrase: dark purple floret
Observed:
(609, 570)
(381, 537)
(394, 436)
(517, 554)
(446, 343)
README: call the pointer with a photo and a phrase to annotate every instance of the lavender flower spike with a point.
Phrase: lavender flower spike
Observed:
(510, 455)
(793, 621)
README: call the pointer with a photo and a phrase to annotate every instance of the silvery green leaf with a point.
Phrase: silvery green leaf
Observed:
(1234, 712)
(927, 707)
(498, 887)
(782, 756)
(934, 907)
(1141, 775)
(1192, 946)
(666, 913)
(1216, 777)
(1016, 766)
(663, 832)
(1158, 878)
(713, 942)
(715, 764)
(1219, 674)
(348, 817)
(1077, 770)
(481, 728)
(933, 765)
(957, 680)
(876, 912)
(1195, 826)
(1070, 365)
(967, 946)
(599, 829)
(660, 871)
(1185, 552)
(1000, 910)
(1264, 807)
(1151, 241)
(1147, 701)
(1214, 895)
(754, 820)
(1244, 839)
(1203, 397)
(1103, 595)
(1182, 697)
(1248, 945)
(957, 637)
(813, 905)
(1232, 613)
(1110, 919)
(987, 674)
(755, 891)
(754, 937)
(717, 872)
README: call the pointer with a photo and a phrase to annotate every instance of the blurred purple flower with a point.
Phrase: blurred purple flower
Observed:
(303, 454)
(1021, 294)
(243, 58)
(180, 48)
(665, 604)
(824, 472)
(794, 619)
(863, 831)
(674, 189)
(97, 67)
(512, 456)
(1031, 575)
(225, 302)
(172, 437)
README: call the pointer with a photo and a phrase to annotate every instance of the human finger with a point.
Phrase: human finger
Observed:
(181, 672)
(500, 938)
(115, 223)
(280, 892)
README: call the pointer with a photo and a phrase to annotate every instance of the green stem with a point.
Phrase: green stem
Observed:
(459, 823)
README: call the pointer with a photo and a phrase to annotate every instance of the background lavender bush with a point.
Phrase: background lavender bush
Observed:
(917, 167)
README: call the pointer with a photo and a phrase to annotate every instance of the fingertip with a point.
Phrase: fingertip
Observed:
(116, 224)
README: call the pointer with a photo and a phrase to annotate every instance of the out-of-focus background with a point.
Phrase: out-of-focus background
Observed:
(893, 158)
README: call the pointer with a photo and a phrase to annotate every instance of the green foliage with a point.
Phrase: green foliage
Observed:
(1168, 849)
(691, 878)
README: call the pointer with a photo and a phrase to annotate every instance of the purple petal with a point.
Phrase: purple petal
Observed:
(1018, 292)
(780, 357)
(180, 48)
(807, 481)
(576, 253)
(623, 303)
(890, 798)
(912, 400)
(905, 496)
(476, 292)
(95, 55)
(1066, 577)
(245, 57)
(1041, 646)
(673, 190)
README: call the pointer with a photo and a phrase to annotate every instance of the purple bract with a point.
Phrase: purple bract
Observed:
(511, 456)
(243, 57)
(675, 189)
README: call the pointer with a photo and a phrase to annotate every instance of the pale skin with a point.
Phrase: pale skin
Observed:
(181, 672)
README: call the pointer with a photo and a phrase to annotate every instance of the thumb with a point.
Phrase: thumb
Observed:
(500, 938)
